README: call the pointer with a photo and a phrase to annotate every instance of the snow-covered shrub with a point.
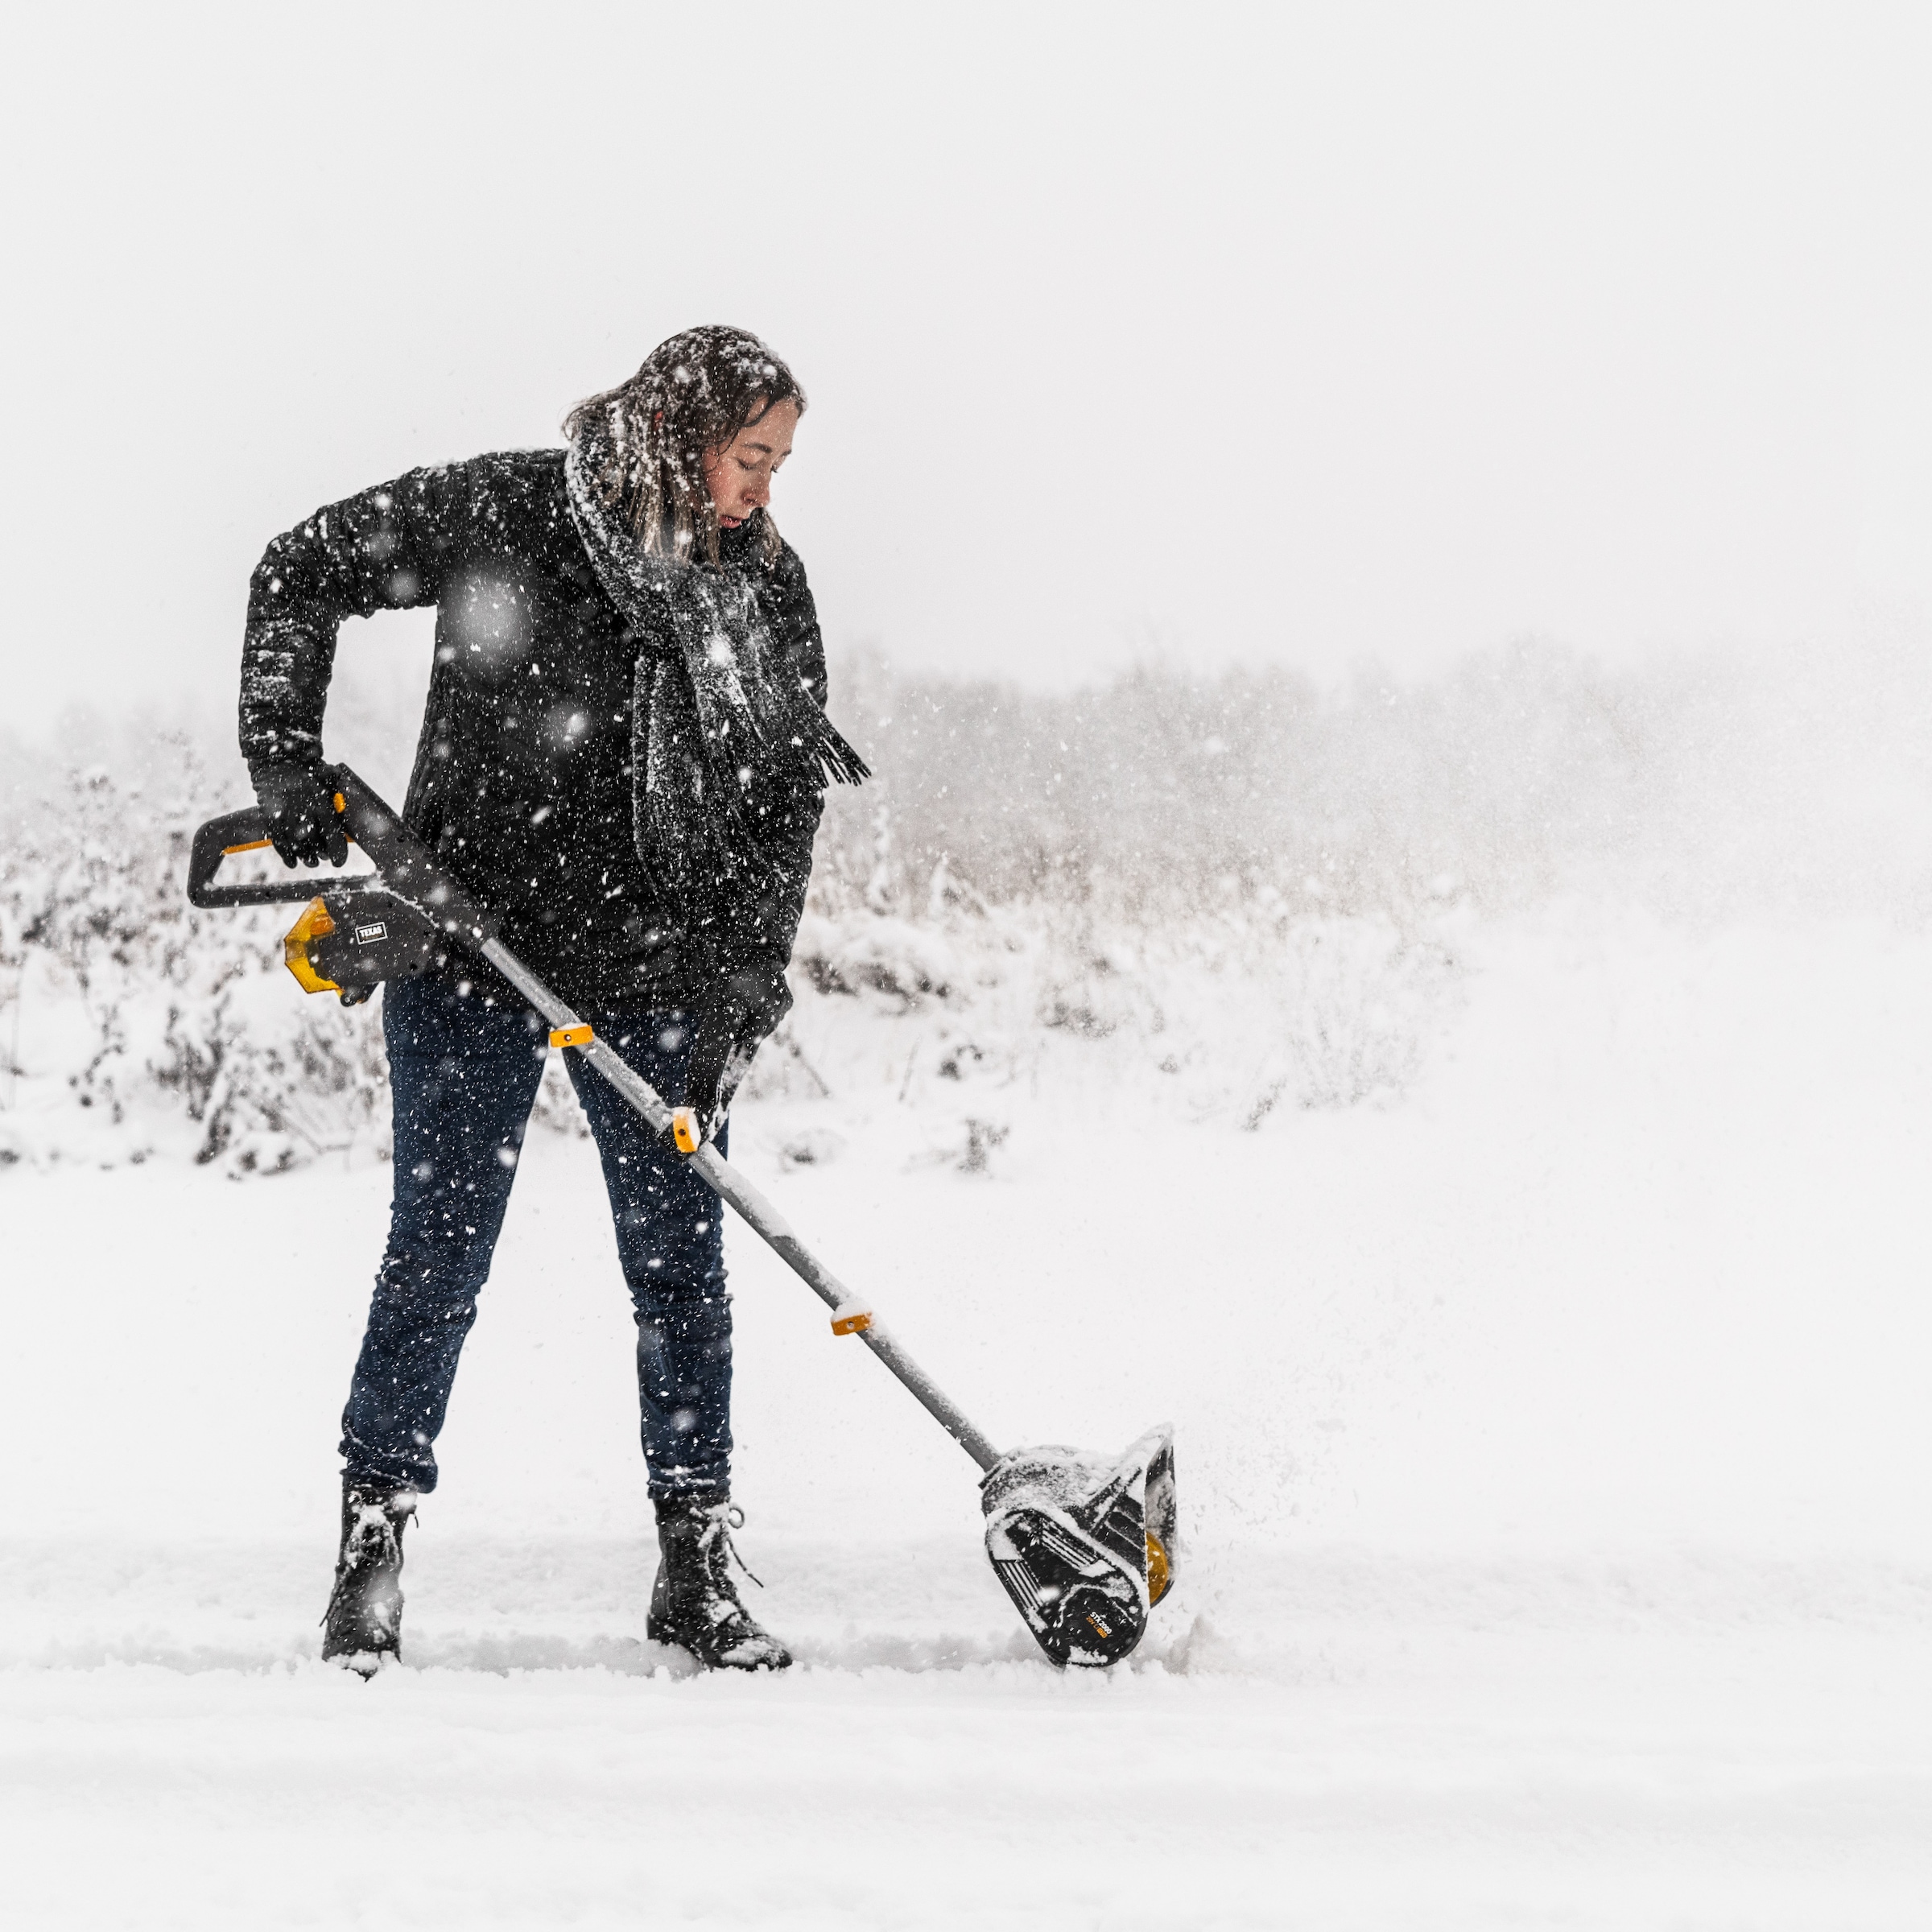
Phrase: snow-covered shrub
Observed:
(876, 952)
(1250, 1009)
(154, 1023)
(1354, 1001)
(271, 1081)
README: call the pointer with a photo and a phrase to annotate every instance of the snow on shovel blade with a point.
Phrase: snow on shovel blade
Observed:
(1084, 1543)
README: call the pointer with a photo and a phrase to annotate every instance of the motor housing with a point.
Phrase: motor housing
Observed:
(350, 939)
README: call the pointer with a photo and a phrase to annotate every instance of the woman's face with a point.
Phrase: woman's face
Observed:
(739, 476)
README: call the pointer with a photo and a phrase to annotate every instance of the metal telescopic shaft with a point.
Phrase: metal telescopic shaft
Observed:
(730, 1186)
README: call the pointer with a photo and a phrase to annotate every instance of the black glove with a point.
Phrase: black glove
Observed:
(299, 806)
(735, 1020)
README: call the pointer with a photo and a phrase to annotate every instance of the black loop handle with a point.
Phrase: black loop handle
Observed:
(403, 863)
(243, 830)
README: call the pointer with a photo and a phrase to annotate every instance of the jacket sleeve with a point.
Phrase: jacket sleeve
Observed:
(387, 549)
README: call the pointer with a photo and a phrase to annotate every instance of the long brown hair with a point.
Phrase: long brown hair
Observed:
(648, 438)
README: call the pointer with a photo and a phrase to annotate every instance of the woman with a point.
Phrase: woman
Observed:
(624, 753)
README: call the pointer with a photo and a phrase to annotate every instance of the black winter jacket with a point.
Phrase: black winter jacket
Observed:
(523, 778)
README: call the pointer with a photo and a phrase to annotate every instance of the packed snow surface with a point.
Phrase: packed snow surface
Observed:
(1553, 1449)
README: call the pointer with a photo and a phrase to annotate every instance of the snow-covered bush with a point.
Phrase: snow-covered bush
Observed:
(141, 1023)
(879, 953)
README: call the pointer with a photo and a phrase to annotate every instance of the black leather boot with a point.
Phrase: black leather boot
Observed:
(694, 1604)
(363, 1623)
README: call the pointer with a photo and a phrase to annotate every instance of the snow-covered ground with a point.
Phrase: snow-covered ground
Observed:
(1555, 1467)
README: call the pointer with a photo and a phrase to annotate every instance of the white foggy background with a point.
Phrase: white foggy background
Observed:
(1269, 335)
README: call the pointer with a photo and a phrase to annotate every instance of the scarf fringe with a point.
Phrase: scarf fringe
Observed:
(837, 763)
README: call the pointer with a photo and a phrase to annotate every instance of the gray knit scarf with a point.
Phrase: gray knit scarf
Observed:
(728, 745)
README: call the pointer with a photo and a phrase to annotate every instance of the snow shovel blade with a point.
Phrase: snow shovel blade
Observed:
(1083, 1543)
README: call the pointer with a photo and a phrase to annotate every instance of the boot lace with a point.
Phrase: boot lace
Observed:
(721, 1519)
(373, 1526)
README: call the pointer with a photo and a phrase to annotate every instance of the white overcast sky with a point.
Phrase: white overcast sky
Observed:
(1295, 334)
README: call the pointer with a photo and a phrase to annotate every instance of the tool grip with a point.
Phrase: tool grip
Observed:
(240, 831)
(402, 862)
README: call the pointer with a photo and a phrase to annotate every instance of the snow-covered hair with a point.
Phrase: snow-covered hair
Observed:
(647, 441)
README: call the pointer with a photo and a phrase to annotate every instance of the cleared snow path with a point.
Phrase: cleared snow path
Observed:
(1553, 1448)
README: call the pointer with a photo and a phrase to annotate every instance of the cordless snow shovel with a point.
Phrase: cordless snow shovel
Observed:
(1083, 1544)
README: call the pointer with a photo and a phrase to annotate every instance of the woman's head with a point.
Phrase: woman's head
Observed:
(689, 444)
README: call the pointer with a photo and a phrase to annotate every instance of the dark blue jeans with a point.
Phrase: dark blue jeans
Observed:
(463, 1076)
